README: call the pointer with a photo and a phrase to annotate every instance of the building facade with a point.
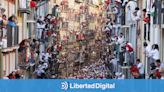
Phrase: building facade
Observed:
(26, 13)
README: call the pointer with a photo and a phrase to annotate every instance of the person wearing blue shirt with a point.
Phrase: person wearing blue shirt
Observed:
(11, 21)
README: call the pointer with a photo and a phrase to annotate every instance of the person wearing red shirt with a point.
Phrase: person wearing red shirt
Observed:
(135, 71)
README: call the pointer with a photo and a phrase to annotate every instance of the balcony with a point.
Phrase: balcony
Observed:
(12, 36)
(21, 10)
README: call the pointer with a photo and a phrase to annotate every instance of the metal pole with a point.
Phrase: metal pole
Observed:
(13, 29)
(1, 64)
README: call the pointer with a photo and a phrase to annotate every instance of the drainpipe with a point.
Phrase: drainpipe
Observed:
(1, 64)
(16, 59)
(24, 36)
(8, 8)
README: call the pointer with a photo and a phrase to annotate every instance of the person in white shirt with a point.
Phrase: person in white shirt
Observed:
(121, 41)
(40, 27)
(159, 65)
(119, 75)
(47, 56)
(140, 66)
(42, 56)
(38, 30)
(155, 53)
(4, 42)
(136, 14)
(45, 65)
(147, 52)
(130, 9)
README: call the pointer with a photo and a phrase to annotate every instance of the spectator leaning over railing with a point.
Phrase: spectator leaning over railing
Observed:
(12, 21)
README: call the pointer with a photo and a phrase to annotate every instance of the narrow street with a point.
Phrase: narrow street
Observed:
(81, 39)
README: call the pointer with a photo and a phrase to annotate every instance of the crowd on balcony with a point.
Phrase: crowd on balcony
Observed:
(4, 24)
(124, 50)
(41, 52)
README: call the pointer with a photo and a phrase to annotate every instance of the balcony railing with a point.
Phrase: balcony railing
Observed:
(12, 36)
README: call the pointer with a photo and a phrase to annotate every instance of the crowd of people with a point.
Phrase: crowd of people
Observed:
(40, 53)
(44, 52)
(124, 50)
(154, 65)
(4, 23)
(94, 70)
(49, 48)
(17, 74)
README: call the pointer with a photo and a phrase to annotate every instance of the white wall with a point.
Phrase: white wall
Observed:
(9, 61)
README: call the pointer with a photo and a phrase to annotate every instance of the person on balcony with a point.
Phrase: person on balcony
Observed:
(130, 9)
(154, 54)
(140, 67)
(120, 42)
(40, 28)
(12, 21)
(130, 52)
(4, 23)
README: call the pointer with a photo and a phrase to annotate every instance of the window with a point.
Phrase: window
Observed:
(125, 31)
(162, 4)
(123, 18)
